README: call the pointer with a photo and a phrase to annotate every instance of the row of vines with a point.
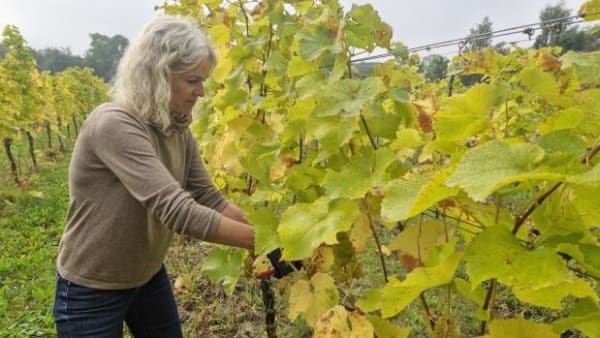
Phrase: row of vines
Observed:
(472, 190)
(32, 101)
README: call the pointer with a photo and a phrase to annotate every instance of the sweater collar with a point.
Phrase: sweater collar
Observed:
(179, 123)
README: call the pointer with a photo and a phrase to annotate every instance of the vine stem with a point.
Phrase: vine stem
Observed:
(245, 17)
(519, 222)
(379, 250)
(489, 303)
(366, 126)
(427, 310)
(591, 153)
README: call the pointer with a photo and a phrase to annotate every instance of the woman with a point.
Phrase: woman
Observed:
(136, 178)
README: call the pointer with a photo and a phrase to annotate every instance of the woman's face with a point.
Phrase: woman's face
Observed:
(186, 87)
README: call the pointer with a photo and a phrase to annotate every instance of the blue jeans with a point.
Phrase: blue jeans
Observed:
(148, 310)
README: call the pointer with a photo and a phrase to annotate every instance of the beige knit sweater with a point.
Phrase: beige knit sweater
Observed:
(132, 186)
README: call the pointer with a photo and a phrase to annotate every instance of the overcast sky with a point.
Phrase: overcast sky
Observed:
(67, 23)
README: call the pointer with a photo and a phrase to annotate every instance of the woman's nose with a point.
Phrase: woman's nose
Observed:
(199, 91)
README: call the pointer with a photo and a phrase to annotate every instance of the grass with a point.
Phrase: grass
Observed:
(31, 224)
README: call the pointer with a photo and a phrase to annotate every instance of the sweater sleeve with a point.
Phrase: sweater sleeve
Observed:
(122, 143)
(199, 183)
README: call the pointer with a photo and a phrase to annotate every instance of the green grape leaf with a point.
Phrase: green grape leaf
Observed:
(300, 67)
(496, 253)
(259, 160)
(586, 201)
(552, 296)
(586, 255)
(591, 178)
(543, 84)
(396, 294)
(354, 180)
(276, 65)
(564, 142)
(365, 30)
(584, 316)
(348, 96)
(589, 101)
(407, 138)
(384, 329)
(301, 109)
(223, 265)
(304, 226)
(339, 323)
(557, 222)
(265, 224)
(485, 169)
(464, 288)
(313, 298)
(406, 198)
(518, 328)
(566, 119)
(380, 123)
(400, 95)
(310, 84)
(585, 65)
(339, 67)
(384, 158)
(333, 132)
(316, 40)
(466, 114)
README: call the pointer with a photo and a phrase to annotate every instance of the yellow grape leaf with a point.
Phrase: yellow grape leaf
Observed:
(312, 298)
(592, 6)
(361, 233)
(339, 323)
(396, 294)
(324, 259)
(405, 198)
(418, 239)
(518, 328)
(466, 114)
(182, 283)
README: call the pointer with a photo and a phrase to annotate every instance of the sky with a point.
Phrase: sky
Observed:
(68, 23)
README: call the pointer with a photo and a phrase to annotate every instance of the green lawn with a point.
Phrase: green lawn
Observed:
(31, 223)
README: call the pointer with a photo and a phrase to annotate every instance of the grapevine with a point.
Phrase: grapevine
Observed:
(499, 177)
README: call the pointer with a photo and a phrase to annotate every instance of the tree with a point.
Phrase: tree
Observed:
(104, 54)
(434, 67)
(57, 59)
(480, 36)
(555, 21)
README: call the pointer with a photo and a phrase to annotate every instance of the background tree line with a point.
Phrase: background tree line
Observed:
(102, 56)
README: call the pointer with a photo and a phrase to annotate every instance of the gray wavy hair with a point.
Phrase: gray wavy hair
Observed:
(167, 45)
